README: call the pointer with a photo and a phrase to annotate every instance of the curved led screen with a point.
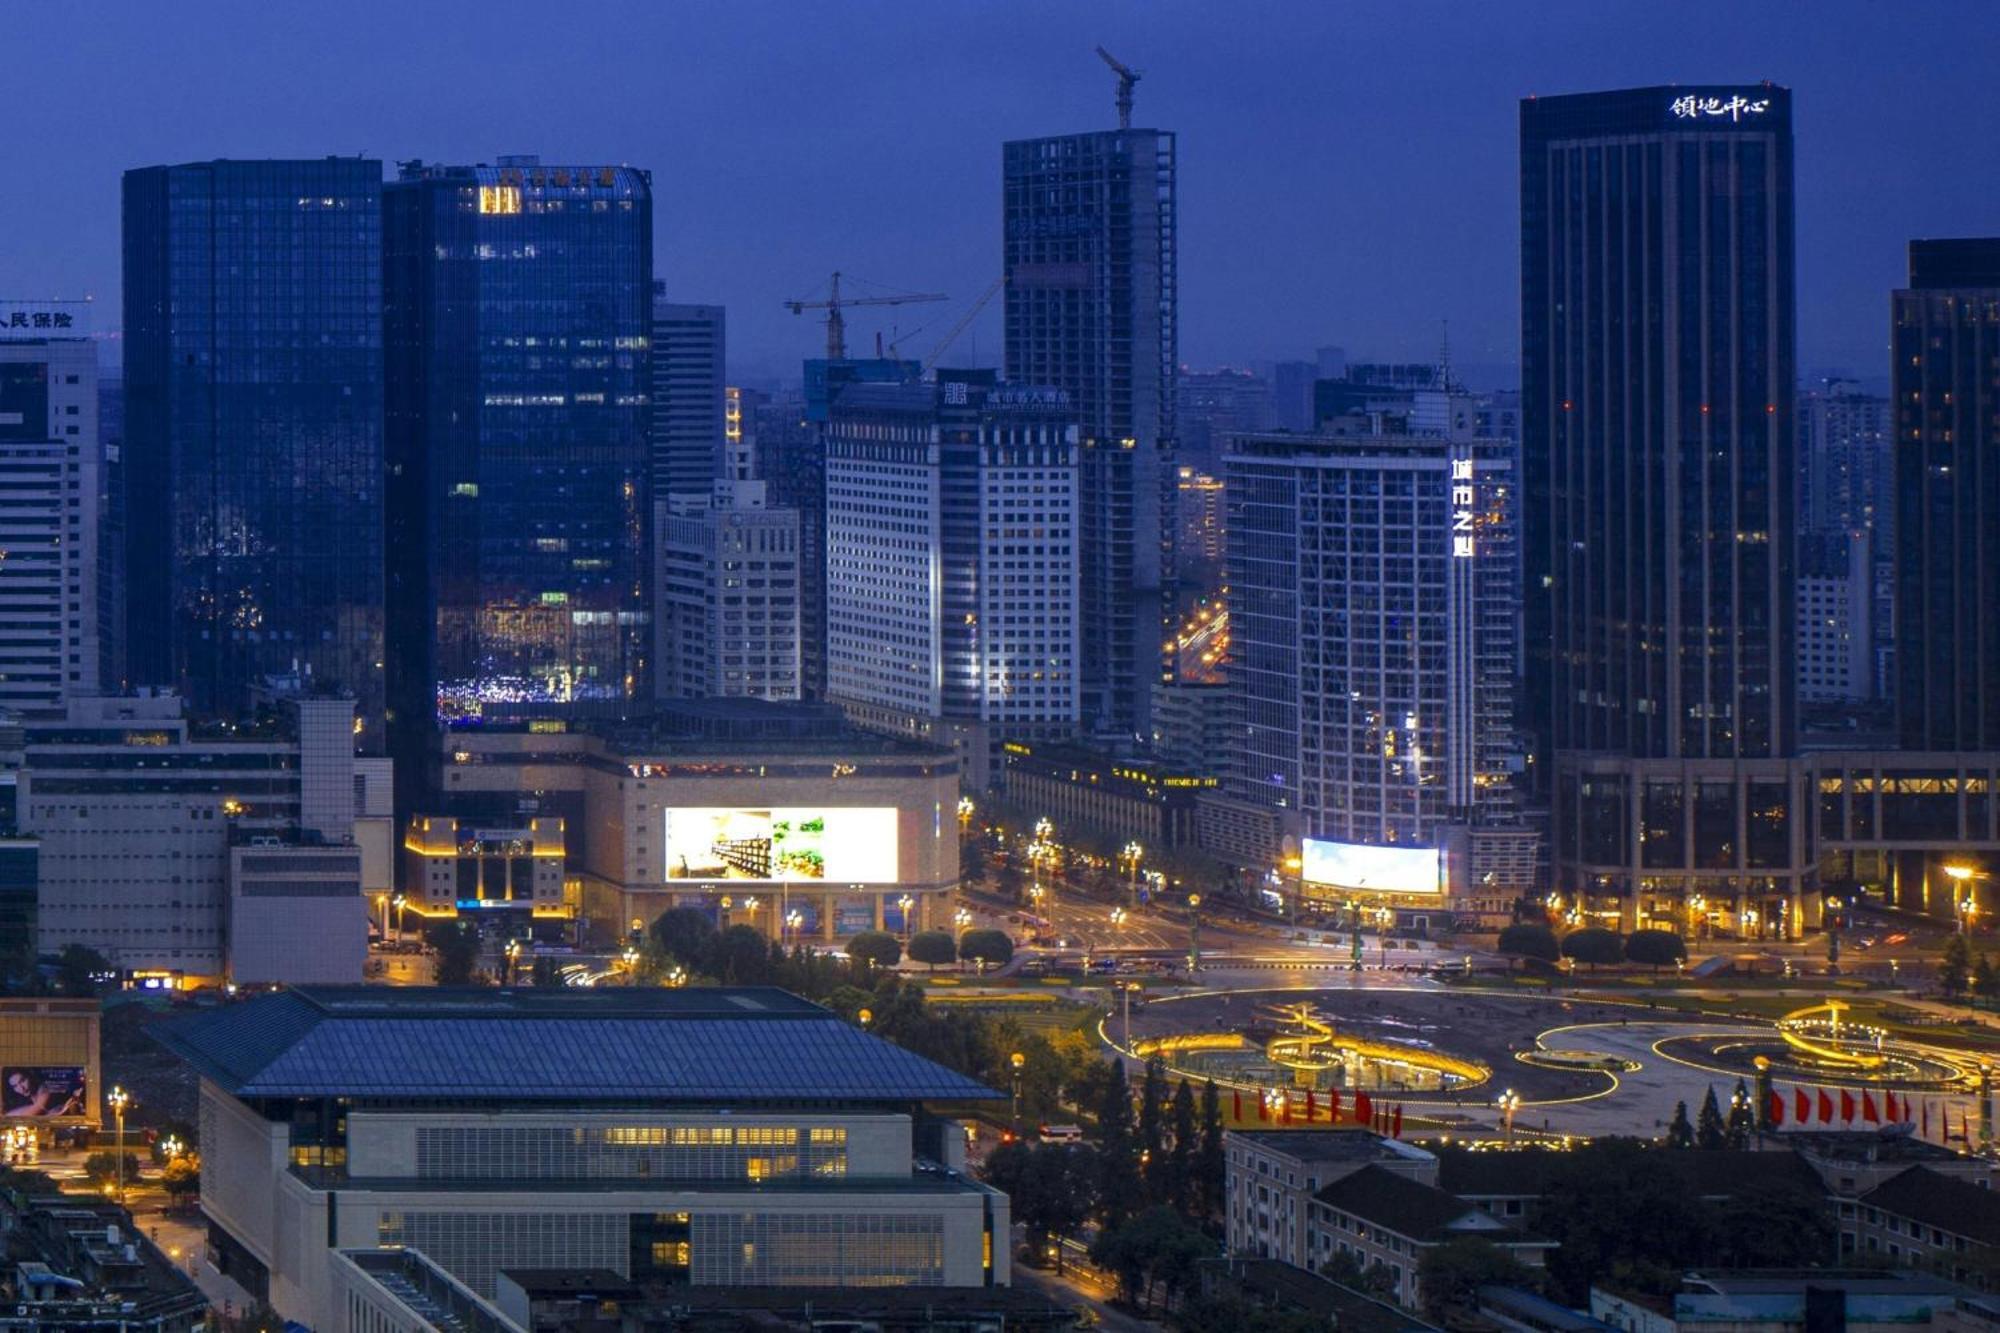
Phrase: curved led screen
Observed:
(1366, 869)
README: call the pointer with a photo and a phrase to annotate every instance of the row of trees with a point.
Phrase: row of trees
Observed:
(1151, 1178)
(1593, 945)
(1960, 974)
(1711, 1129)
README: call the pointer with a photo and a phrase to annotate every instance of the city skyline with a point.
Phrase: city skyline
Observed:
(898, 188)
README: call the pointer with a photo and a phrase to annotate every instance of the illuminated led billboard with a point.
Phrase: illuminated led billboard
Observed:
(1353, 865)
(42, 1092)
(849, 845)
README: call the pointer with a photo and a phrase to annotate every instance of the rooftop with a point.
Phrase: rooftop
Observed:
(1331, 1145)
(1407, 1207)
(1529, 1172)
(616, 1045)
(1940, 1201)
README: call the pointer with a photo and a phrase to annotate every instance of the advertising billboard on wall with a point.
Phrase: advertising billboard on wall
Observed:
(42, 1092)
(1368, 869)
(798, 845)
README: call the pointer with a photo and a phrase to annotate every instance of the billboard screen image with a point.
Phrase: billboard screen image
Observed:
(852, 845)
(42, 1092)
(1353, 865)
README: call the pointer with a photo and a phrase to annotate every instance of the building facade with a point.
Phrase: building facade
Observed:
(154, 836)
(1090, 255)
(253, 430)
(1836, 603)
(1657, 398)
(1373, 650)
(721, 1138)
(785, 817)
(688, 400)
(518, 316)
(952, 563)
(1847, 479)
(51, 617)
(1945, 331)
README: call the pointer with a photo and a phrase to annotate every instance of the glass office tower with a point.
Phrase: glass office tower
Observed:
(1093, 302)
(253, 429)
(518, 304)
(1945, 328)
(1657, 403)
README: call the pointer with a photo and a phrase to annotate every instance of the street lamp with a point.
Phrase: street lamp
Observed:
(1967, 900)
(1133, 853)
(513, 953)
(1194, 934)
(1509, 1102)
(1017, 1060)
(793, 920)
(965, 812)
(906, 902)
(399, 902)
(118, 1099)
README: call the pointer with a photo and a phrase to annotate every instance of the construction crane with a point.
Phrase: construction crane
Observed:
(965, 321)
(836, 324)
(1127, 76)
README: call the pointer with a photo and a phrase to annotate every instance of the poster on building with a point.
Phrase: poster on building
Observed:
(41, 1092)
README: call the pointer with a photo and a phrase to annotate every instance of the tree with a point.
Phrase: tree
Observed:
(546, 972)
(1984, 981)
(1231, 1314)
(456, 946)
(971, 862)
(1178, 1174)
(986, 946)
(740, 957)
(1953, 966)
(1153, 1127)
(1655, 948)
(686, 935)
(1680, 1134)
(1118, 1187)
(931, 947)
(181, 1177)
(1051, 1188)
(79, 969)
(875, 948)
(1593, 945)
(1210, 1166)
(1709, 1131)
(1742, 1122)
(1154, 1247)
(101, 1168)
(1450, 1275)
(1530, 940)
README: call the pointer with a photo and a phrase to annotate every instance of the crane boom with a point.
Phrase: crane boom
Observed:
(930, 362)
(1127, 76)
(836, 324)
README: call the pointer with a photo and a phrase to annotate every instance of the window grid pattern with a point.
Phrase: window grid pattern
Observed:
(660, 1152)
(817, 1249)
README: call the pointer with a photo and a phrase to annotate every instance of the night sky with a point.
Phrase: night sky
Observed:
(1348, 172)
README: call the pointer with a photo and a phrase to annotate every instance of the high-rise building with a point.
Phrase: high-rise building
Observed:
(50, 459)
(518, 304)
(1657, 400)
(1847, 485)
(111, 518)
(1372, 581)
(1215, 404)
(688, 381)
(253, 378)
(1090, 255)
(1945, 331)
(1836, 595)
(951, 524)
(727, 605)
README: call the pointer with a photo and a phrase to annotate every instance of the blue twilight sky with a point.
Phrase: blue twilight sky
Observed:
(1347, 170)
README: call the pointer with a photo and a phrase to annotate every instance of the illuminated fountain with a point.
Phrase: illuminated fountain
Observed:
(1295, 1044)
(1823, 1042)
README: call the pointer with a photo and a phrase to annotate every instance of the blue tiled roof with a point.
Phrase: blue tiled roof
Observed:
(576, 1046)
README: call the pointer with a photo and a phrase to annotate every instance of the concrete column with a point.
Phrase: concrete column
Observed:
(826, 916)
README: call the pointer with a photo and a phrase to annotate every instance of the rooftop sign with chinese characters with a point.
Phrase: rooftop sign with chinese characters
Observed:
(1735, 107)
(44, 319)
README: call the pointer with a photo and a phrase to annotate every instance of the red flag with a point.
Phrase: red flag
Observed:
(1236, 1105)
(1263, 1111)
(1825, 1107)
(1396, 1126)
(1284, 1110)
(1364, 1109)
(1777, 1108)
(1888, 1108)
(1312, 1109)
(1801, 1106)
(1333, 1106)
(1927, 1119)
(1868, 1111)
(1846, 1105)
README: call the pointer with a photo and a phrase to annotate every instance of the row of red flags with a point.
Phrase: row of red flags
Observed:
(1843, 1107)
(1362, 1111)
